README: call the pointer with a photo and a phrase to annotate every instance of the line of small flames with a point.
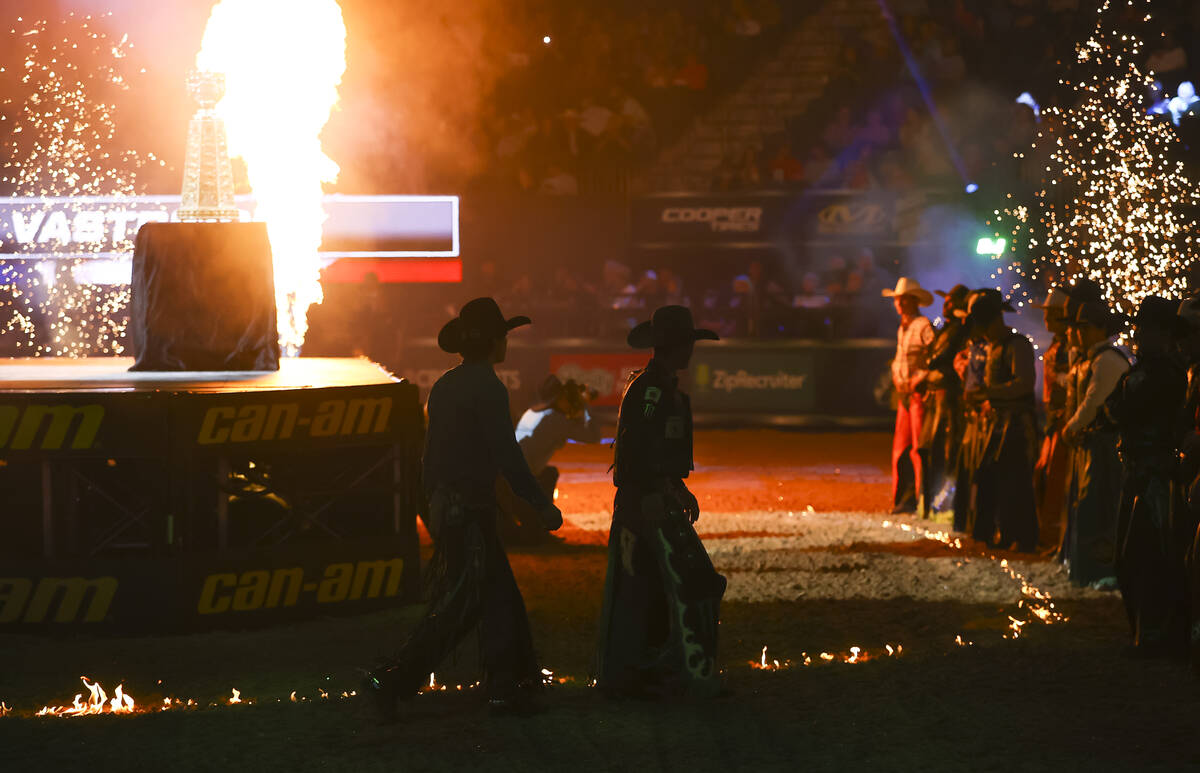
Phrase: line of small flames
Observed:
(1036, 603)
(853, 656)
(98, 701)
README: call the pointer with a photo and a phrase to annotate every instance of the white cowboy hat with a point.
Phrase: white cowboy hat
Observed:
(910, 286)
(1057, 299)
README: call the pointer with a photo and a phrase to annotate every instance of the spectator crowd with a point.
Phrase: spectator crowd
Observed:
(600, 87)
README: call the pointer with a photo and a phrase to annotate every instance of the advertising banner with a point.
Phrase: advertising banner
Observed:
(198, 591)
(295, 419)
(802, 381)
(733, 381)
(757, 220)
(91, 424)
(605, 372)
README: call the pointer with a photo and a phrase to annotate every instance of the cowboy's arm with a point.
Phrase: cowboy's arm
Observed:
(1106, 372)
(497, 431)
(584, 428)
(924, 342)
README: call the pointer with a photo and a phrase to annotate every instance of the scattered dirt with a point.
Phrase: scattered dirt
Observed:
(957, 692)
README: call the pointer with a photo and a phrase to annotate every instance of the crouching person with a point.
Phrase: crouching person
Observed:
(469, 442)
(658, 628)
(561, 416)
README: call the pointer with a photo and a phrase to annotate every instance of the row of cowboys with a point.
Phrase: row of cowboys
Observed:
(1106, 478)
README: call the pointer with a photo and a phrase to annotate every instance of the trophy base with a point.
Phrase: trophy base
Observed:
(203, 215)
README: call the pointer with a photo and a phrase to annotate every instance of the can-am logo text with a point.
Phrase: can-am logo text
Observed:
(280, 421)
(56, 599)
(49, 427)
(719, 219)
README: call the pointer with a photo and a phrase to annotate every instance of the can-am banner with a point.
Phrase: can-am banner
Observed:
(360, 231)
(765, 219)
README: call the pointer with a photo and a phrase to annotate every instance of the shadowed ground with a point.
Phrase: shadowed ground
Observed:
(1061, 697)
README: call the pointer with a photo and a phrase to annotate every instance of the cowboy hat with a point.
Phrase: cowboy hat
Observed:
(1160, 312)
(984, 305)
(1056, 299)
(670, 325)
(957, 291)
(1097, 313)
(478, 320)
(1189, 311)
(909, 286)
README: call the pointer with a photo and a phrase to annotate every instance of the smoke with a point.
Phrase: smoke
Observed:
(413, 96)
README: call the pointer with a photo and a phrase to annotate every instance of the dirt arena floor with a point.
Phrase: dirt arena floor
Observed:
(898, 648)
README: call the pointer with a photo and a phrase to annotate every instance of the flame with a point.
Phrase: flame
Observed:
(97, 702)
(283, 61)
(237, 696)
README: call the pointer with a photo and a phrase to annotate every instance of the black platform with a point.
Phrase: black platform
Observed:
(182, 500)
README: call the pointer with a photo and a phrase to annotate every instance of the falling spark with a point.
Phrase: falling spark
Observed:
(1118, 207)
(62, 112)
(279, 92)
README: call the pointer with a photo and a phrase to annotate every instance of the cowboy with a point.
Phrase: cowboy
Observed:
(1053, 463)
(914, 338)
(658, 629)
(970, 364)
(1188, 500)
(470, 442)
(942, 429)
(1094, 491)
(1004, 503)
(562, 415)
(1146, 406)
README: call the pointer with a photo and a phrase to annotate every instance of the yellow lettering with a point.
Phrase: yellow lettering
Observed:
(14, 592)
(328, 420)
(249, 425)
(62, 418)
(210, 604)
(208, 430)
(336, 584)
(281, 421)
(372, 416)
(70, 593)
(8, 421)
(293, 578)
(376, 572)
(252, 590)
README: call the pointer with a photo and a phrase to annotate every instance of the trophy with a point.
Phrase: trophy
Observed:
(207, 172)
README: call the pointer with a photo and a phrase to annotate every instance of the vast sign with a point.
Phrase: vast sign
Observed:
(361, 231)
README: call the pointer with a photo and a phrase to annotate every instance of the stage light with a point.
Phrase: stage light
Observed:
(989, 246)
(972, 187)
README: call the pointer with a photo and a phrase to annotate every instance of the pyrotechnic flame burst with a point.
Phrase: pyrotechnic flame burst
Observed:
(279, 90)
(1116, 205)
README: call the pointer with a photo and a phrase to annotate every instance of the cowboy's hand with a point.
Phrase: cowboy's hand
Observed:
(691, 507)
(551, 517)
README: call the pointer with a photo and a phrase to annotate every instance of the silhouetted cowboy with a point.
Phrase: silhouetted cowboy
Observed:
(469, 443)
(658, 631)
